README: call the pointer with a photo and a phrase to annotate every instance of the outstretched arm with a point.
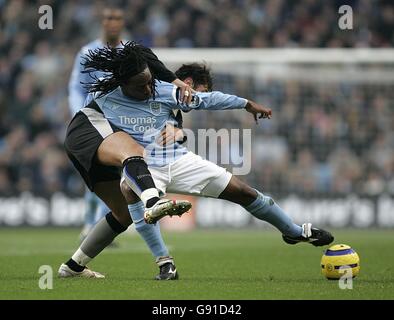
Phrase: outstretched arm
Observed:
(217, 100)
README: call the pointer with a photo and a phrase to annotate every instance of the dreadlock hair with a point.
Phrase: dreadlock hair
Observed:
(200, 74)
(119, 64)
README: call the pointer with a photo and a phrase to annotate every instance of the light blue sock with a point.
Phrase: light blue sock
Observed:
(149, 232)
(264, 208)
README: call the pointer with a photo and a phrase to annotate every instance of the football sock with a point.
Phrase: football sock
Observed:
(149, 232)
(139, 179)
(264, 208)
(102, 234)
(74, 265)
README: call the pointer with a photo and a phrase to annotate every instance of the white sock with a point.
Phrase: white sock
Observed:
(81, 258)
(149, 194)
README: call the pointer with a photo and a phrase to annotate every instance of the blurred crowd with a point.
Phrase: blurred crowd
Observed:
(323, 139)
(316, 142)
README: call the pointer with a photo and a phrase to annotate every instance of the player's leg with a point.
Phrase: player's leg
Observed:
(102, 234)
(120, 150)
(105, 181)
(197, 176)
(87, 133)
(263, 207)
(194, 175)
(92, 139)
(151, 235)
(259, 205)
(101, 211)
(95, 209)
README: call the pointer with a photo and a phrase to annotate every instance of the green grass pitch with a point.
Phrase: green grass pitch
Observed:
(213, 264)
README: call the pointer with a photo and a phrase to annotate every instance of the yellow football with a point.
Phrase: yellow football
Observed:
(340, 260)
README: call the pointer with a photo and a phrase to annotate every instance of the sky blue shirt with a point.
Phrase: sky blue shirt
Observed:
(144, 120)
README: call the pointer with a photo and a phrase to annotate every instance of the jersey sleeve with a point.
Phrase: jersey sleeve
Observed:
(76, 92)
(215, 100)
(158, 67)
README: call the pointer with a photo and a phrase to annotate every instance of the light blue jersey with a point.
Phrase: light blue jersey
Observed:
(144, 120)
(76, 92)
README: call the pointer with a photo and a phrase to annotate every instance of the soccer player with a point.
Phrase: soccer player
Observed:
(131, 100)
(112, 28)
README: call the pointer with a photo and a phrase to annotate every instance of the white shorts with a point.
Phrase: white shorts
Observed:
(193, 175)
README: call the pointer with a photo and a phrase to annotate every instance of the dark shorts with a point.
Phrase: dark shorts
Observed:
(86, 131)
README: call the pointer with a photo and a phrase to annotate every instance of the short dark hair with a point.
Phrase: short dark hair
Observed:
(119, 64)
(200, 74)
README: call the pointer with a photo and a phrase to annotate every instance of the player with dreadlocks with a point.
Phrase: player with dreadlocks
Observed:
(99, 151)
(112, 28)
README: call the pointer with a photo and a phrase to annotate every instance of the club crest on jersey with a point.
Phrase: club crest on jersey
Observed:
(195, 101)
(155, 107)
